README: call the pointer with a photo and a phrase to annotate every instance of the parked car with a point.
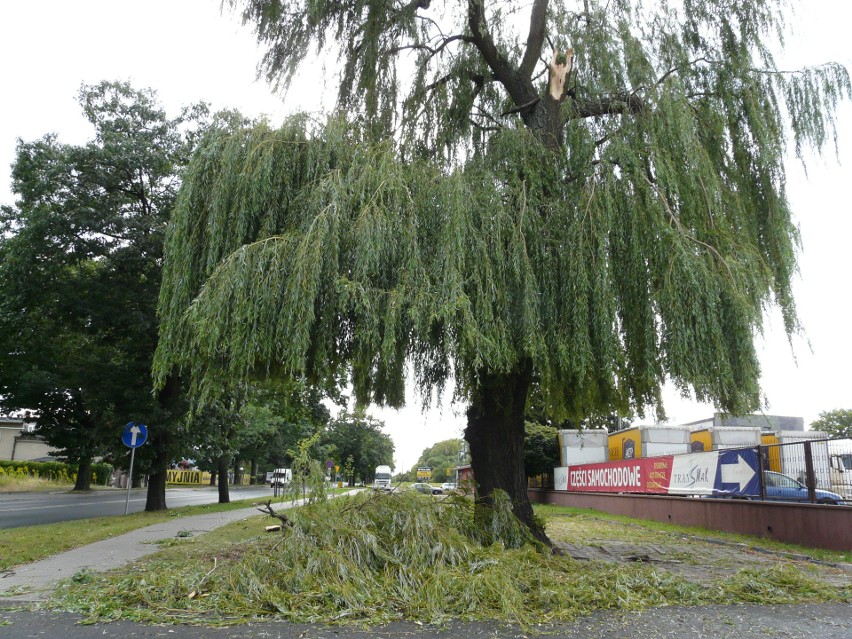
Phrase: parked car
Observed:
(448, 487)
(783, 488)
(426, 489)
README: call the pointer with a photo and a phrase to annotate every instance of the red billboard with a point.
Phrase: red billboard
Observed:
(649, 475)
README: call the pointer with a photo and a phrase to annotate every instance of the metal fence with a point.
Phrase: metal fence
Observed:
(810, 470)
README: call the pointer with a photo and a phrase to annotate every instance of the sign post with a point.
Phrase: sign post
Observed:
(134, 436)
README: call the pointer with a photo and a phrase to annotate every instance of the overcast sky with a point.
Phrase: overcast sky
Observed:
(188, 52)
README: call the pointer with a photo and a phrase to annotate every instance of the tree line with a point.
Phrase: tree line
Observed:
(81, 256)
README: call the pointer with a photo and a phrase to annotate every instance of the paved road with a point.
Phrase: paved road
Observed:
(30, 509)
(808, 621)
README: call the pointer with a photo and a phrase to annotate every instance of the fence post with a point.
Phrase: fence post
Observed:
(761, 467)
(810, 476)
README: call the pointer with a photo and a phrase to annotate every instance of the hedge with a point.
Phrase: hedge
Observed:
(56, 471)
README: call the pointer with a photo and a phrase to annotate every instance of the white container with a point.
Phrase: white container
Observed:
(726, 437)
(582, 446)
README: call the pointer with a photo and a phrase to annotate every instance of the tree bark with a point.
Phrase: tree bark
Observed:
(213, 475)
(222, 471)
(495, 434)
(238, 474)
(253, 478)
(156, 496)
(160, 440)
(84, 474)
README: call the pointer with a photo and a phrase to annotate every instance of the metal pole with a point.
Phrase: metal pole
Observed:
(129, 480)
(810, 476)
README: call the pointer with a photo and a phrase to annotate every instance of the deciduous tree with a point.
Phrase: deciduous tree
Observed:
(355, 436)
(498, 207)
(837, 423)
(442, 457)
(80, 263)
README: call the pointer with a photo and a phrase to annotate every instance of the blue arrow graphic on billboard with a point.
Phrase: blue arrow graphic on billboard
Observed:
(737, 472)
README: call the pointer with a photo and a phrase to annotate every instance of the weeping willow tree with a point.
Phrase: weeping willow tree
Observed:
(493, 209)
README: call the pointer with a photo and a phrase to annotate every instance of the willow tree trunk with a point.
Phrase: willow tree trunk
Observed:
(495, 434)
(222, 472)
(160, 445)
(159, 440)
(84, 474)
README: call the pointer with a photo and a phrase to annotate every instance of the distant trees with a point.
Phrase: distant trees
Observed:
(358, 444)
(541, 448)
(442, 458)
(837, 423)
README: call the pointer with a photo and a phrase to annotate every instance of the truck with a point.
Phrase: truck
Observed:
(785, 453)
(582, 446)
(724, 438)
(648, 441)
(279, 477)
(382, 479)
(840, 462)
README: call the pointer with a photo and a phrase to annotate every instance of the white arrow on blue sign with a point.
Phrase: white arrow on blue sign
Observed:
(738, 472)
(134, 435)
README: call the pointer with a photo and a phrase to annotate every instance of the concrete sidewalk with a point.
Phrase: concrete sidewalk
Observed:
(39, 578)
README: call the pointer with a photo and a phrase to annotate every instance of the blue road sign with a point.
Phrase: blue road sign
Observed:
(737, 472)
(134, 435)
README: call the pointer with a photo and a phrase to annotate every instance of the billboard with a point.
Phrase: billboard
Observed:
(731, 472)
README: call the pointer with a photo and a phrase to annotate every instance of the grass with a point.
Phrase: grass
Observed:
(586, 523)
(28, 484)
(31, 543)
(374, 559)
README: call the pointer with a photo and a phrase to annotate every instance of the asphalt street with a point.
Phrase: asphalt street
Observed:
(32, 509)
(808, 621)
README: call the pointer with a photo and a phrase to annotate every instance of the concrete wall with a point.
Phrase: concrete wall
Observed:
(811, 525)
(765, 422)
(7, 440)
(15, 446)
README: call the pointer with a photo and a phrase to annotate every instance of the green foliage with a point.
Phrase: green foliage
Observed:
(541, 449)
(781, 585)
(308, 480)
(377, 558)
(55, 471)
(80, 262)
(457, 217)
(357, 444)
(327, 255)
(442, 458)
(837, 423)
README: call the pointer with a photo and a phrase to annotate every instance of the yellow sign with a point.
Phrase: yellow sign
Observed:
(185, 477)
(337, 469)
(625, 444)
(424, 473)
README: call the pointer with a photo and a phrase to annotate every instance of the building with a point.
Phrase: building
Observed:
(772, 423)
(19, 441)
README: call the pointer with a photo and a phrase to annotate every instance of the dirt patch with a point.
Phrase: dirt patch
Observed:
(704, 561)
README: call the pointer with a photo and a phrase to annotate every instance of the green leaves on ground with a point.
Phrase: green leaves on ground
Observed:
(377, 558)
